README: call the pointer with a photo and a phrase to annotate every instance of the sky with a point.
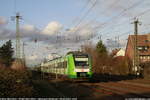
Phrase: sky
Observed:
(48, 27)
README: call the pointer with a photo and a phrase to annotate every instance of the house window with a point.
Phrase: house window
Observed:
(140, 48)
(146, 41)
(146, 48)
(146, 57)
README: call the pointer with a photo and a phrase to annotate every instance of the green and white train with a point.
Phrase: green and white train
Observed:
(73, 65)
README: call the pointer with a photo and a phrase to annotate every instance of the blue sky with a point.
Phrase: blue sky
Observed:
(40, 12)
(47, 20)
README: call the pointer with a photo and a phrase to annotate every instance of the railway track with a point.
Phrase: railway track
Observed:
(118, 89)
(121, 89)
(141, 81)
(128, 89)
(139, 85)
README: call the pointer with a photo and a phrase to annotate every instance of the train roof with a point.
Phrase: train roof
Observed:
(76, 53)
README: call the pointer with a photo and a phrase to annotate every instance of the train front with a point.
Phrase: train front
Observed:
(83, 66)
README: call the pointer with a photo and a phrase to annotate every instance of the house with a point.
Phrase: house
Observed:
(120, 52)
(143, 47)
(114, 52)
(118, 55)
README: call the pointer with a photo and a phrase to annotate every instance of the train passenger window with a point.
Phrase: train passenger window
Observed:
(59, 64)
(65, 64)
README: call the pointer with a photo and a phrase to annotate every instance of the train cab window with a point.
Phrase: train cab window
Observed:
(81, 62)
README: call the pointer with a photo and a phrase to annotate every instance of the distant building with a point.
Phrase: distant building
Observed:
(143, 46)
(121, 52)
(118, 55)
(118, 52)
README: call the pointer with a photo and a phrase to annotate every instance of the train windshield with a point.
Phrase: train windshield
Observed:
(81, 60)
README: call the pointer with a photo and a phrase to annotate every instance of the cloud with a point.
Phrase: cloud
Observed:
(83, 32)
(49, 57)
(3, 21)
(115, 43)
(32, 57)
(6, 34)
(52, 28)
(53, 33)
(28, 27)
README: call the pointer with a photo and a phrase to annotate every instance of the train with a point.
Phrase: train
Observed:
(73, 65)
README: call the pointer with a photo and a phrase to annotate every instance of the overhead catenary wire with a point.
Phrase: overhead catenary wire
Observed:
(118, 15)
(138, 15)
(103, 12)
(85, 15)
(122, 12)
(81, 22)
(136, 4)
(141, 14)
(83, 8)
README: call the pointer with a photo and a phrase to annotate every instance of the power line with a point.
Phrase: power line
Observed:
(85, 15)
(111, 6)
(83, 8)
(115, 17)
(140, 14)
(122, 12)
(134, 5)
(119, 15)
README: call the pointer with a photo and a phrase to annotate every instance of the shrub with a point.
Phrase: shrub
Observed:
(104, 63)
(15, 83)
(146, 70)
(6, 54)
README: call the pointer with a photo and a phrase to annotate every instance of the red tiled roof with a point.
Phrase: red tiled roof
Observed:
(119, 58)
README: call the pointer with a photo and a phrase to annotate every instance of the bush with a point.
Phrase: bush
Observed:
(6, 54)
(105, 63)
(100, 58)
(146, 70)
(15, 83)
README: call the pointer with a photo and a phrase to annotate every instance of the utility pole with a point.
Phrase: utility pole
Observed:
(118, 42)
(23, 55)
(115, 42)
(136, 55)
(100, 37)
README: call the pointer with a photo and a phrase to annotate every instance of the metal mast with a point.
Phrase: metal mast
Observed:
(23, 55)
(136, 55)
(18, 52)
